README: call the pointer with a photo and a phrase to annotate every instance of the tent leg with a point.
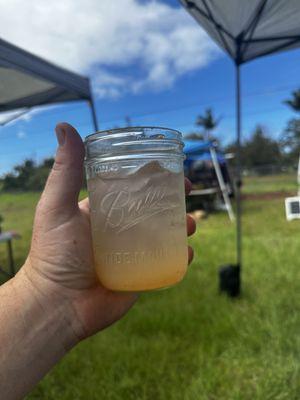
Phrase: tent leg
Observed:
(230, 274)
(94, 116)
(222, 184)
(238, 171)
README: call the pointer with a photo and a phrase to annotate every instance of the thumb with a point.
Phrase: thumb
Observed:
(65, 179)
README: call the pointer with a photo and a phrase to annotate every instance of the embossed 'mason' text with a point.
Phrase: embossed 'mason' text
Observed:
(135, 257)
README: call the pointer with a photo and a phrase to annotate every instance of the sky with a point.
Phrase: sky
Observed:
(147, 60)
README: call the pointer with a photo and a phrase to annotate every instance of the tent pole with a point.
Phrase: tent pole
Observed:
(94, 116)
(238, 171)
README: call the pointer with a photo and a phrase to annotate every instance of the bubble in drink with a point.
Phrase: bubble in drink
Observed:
(139, 228)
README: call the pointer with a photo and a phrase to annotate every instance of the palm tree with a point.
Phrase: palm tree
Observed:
(208, 122)
(294, 102)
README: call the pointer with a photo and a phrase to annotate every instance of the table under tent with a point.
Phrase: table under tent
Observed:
(207, 169)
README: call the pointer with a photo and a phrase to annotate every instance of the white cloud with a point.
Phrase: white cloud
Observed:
(107, 84)
(125, 45)
(21, 135)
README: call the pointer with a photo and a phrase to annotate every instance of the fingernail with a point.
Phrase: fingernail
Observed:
(61, 135)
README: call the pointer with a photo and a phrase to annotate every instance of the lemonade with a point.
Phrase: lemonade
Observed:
(139, 227)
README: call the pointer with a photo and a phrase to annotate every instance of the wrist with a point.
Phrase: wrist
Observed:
(51, 311)
(35, 334)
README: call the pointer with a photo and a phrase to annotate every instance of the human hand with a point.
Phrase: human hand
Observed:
(60, 263)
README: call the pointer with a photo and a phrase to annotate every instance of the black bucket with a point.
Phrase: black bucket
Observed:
(230, 280)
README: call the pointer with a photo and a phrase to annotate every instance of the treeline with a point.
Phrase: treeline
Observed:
(260, 149)
(28, 176)
(260, 152)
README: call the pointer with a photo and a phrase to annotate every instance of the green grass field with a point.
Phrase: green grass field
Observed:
(190, 342)
(271, 183)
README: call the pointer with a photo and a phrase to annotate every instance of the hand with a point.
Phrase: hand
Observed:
(60, 263)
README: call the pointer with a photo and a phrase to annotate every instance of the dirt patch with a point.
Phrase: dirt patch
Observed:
(267, 196)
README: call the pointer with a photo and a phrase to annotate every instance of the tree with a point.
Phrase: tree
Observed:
(208, 122)
(27, 176)
(23, 173)
(48, 162)
(259, 151)
(294, 102)
(290, 138)
(290, 141)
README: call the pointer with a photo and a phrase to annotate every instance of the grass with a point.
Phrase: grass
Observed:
(189, 342)
(271, 183)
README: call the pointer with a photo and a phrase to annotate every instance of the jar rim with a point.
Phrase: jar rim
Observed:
(109, 132)
(133, 142)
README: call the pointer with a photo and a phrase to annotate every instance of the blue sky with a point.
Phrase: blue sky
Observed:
(150, 83)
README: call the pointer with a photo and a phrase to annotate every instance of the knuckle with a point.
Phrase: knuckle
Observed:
(58, 166)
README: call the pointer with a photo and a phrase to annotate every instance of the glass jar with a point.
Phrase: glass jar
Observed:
(137, 206)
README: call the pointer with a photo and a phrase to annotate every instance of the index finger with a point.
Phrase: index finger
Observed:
(84, 205)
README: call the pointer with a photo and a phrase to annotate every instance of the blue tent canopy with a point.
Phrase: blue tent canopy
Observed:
(198, 150)
(193, 146)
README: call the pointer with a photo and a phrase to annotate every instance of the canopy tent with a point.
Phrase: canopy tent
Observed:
(199, 150)
(247, 30)
(192, 146)
(27, 81)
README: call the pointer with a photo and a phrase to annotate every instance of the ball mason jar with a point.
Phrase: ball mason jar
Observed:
(137, 207)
